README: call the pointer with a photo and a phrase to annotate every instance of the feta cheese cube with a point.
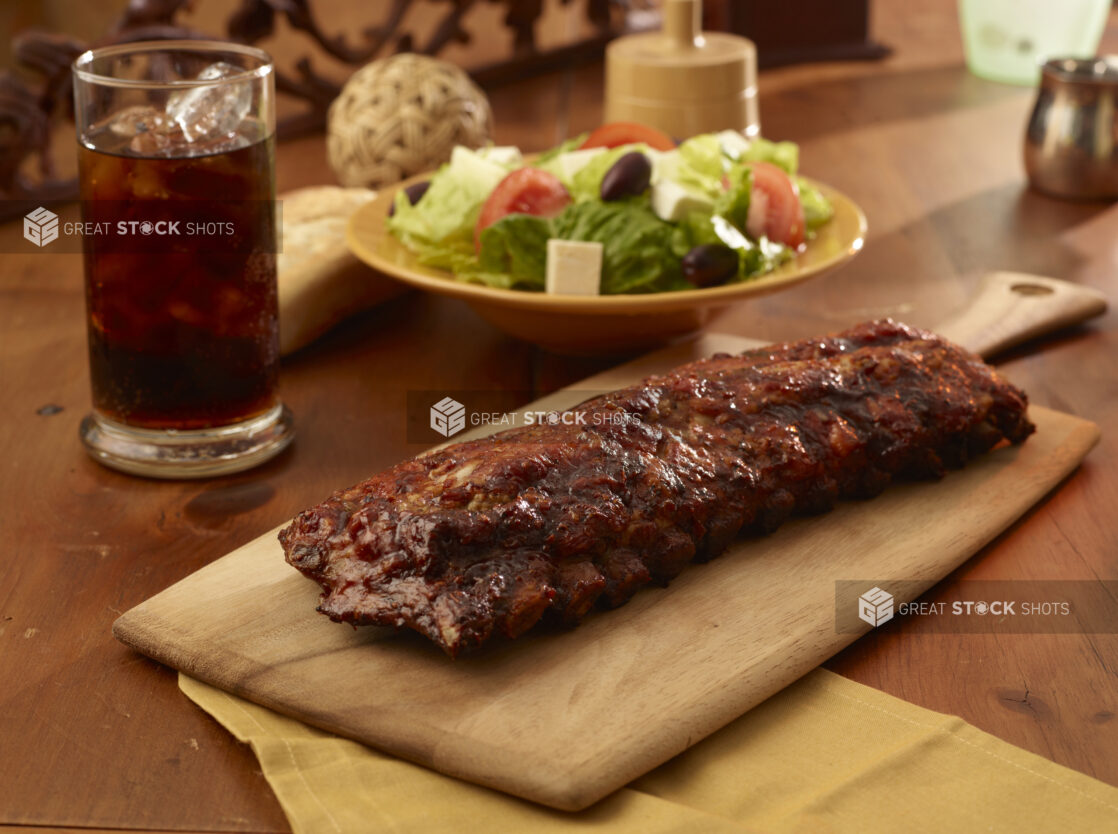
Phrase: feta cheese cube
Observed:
(472, 166)
(672, 202)
(505, 155)
(574, 267)
(664, 165)
(733, 143)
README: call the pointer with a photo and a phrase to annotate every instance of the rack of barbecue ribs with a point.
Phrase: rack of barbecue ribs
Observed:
(489, 536)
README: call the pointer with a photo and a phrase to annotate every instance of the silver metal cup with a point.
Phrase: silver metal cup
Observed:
(1071, 142)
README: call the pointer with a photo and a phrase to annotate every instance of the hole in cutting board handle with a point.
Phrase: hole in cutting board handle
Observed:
(1032, 289)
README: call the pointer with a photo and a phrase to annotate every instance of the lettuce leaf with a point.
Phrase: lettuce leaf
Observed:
(515, 247)
(448, 212)
(637, 248)
(817, 208)
(733, 202)
(637, 245)
(700, 164)
(785, 155)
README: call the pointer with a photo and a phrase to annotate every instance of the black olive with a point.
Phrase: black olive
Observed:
(710, 264)
(628, 177)
(415, 193)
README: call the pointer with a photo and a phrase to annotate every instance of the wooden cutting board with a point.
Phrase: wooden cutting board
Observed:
(564, 718)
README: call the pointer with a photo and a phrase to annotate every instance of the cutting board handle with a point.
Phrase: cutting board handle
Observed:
(1013, 307)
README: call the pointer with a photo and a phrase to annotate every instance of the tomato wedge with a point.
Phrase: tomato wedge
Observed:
(524, 191)
(774, 206)
(615, 134)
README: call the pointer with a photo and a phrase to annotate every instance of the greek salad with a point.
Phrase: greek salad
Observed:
(655, 216)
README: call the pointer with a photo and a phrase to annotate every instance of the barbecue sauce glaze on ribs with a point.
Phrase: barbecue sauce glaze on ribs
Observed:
(488, 536)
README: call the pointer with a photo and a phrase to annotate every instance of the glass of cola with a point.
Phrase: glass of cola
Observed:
(179, 234)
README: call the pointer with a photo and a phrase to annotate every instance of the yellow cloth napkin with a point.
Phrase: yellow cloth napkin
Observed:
(824, 755)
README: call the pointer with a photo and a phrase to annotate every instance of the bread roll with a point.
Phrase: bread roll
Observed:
(320, 281)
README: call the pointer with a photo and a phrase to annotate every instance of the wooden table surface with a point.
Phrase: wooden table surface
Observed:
(96, 737)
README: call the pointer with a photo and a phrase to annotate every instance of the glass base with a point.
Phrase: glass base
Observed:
(198, 453)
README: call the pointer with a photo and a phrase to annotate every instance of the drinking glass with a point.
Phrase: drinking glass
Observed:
(1009, 40)
(176, 145)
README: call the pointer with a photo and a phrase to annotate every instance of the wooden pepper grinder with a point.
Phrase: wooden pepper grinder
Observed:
(682, 80)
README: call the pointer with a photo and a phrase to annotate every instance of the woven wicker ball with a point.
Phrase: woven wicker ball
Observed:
(403, 115)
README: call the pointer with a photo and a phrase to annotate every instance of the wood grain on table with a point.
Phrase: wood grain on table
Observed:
(95, 736)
